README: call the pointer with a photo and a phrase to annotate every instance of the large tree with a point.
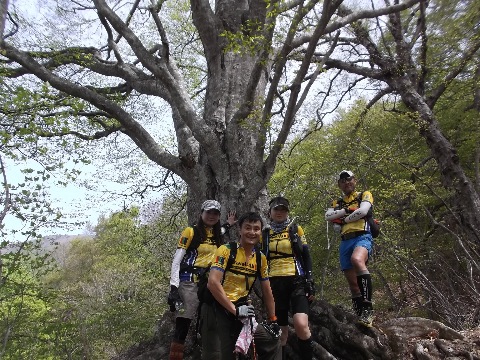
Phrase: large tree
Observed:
(258, 60)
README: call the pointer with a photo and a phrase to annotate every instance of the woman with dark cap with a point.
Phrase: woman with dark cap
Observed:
(290, 272)
(194, 255)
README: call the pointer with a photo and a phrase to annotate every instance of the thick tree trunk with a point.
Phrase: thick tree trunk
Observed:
(452, 173)
(232, 82)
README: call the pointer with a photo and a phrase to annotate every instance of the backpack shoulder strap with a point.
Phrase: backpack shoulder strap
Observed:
(295, 239)
(197, 238)
(293, 229)
(265, 241)
(359, 197)
(258, 254)
(232, 256)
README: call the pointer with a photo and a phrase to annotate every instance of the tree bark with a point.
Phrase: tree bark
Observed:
(452, 173)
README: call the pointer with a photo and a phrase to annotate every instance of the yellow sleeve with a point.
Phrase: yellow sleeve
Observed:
(367, 196)
(301, 234)
(185, 239)
(221, 257)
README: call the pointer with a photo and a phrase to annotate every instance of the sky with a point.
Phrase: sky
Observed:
(75, 202)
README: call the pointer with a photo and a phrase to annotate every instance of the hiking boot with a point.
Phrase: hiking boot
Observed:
(176, 351)
(366, 319)
(357, 305)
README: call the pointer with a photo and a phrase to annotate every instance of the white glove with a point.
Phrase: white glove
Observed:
(245, 311)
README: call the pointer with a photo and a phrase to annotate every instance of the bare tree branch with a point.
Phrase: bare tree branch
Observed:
(163, 35)
(138, 134)
(467, 55)
(6, 200)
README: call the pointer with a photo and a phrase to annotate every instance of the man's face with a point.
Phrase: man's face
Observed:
(210, 217)
(250, 232)
(279, 214)
(347, 185)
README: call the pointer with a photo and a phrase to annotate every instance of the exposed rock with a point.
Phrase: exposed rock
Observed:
(337, 337)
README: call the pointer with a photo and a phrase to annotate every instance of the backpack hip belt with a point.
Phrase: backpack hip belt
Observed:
(353, 234)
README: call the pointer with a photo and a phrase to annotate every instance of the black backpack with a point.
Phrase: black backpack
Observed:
(369, 218)
(297, 246)
(293, 236)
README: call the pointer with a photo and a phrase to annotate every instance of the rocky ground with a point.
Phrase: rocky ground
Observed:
(433, 347)
(337, 337)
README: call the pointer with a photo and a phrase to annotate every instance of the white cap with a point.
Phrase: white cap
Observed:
(211, 205)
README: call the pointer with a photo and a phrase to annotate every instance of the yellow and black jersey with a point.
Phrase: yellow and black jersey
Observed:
(201, 257)
(351, 201)
(281, 259)
(239, 278)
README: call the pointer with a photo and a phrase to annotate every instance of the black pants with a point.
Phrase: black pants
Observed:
(220, 331)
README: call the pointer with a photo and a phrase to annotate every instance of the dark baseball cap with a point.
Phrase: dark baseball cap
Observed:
(279, 201)
(345, 174)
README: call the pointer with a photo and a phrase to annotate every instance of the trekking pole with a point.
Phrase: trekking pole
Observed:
(291, 222)
(329, 251)
(249, 302)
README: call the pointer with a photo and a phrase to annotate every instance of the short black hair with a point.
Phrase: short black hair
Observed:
(250, 217)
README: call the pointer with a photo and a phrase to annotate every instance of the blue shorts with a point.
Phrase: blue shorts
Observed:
(347, 247)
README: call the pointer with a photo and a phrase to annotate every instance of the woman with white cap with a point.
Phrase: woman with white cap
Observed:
(193, 256)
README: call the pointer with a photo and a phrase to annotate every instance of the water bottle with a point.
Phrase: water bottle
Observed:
(337, 228)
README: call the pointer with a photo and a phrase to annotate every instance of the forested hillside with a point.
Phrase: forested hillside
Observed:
(106, 293)
(238, 101)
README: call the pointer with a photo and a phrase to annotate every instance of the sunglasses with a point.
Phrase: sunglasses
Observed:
(344, 180)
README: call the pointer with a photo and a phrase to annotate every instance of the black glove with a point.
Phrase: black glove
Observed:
(309, 287)
(272, 328)
(173, 297)
(245, 311)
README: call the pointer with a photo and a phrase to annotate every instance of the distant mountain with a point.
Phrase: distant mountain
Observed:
(52, 241)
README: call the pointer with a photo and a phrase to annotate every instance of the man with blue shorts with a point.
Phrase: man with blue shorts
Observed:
(350, 213)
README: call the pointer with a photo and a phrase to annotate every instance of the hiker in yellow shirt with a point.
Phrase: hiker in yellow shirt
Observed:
(193, 256)
(230, 282)
(356, 244)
